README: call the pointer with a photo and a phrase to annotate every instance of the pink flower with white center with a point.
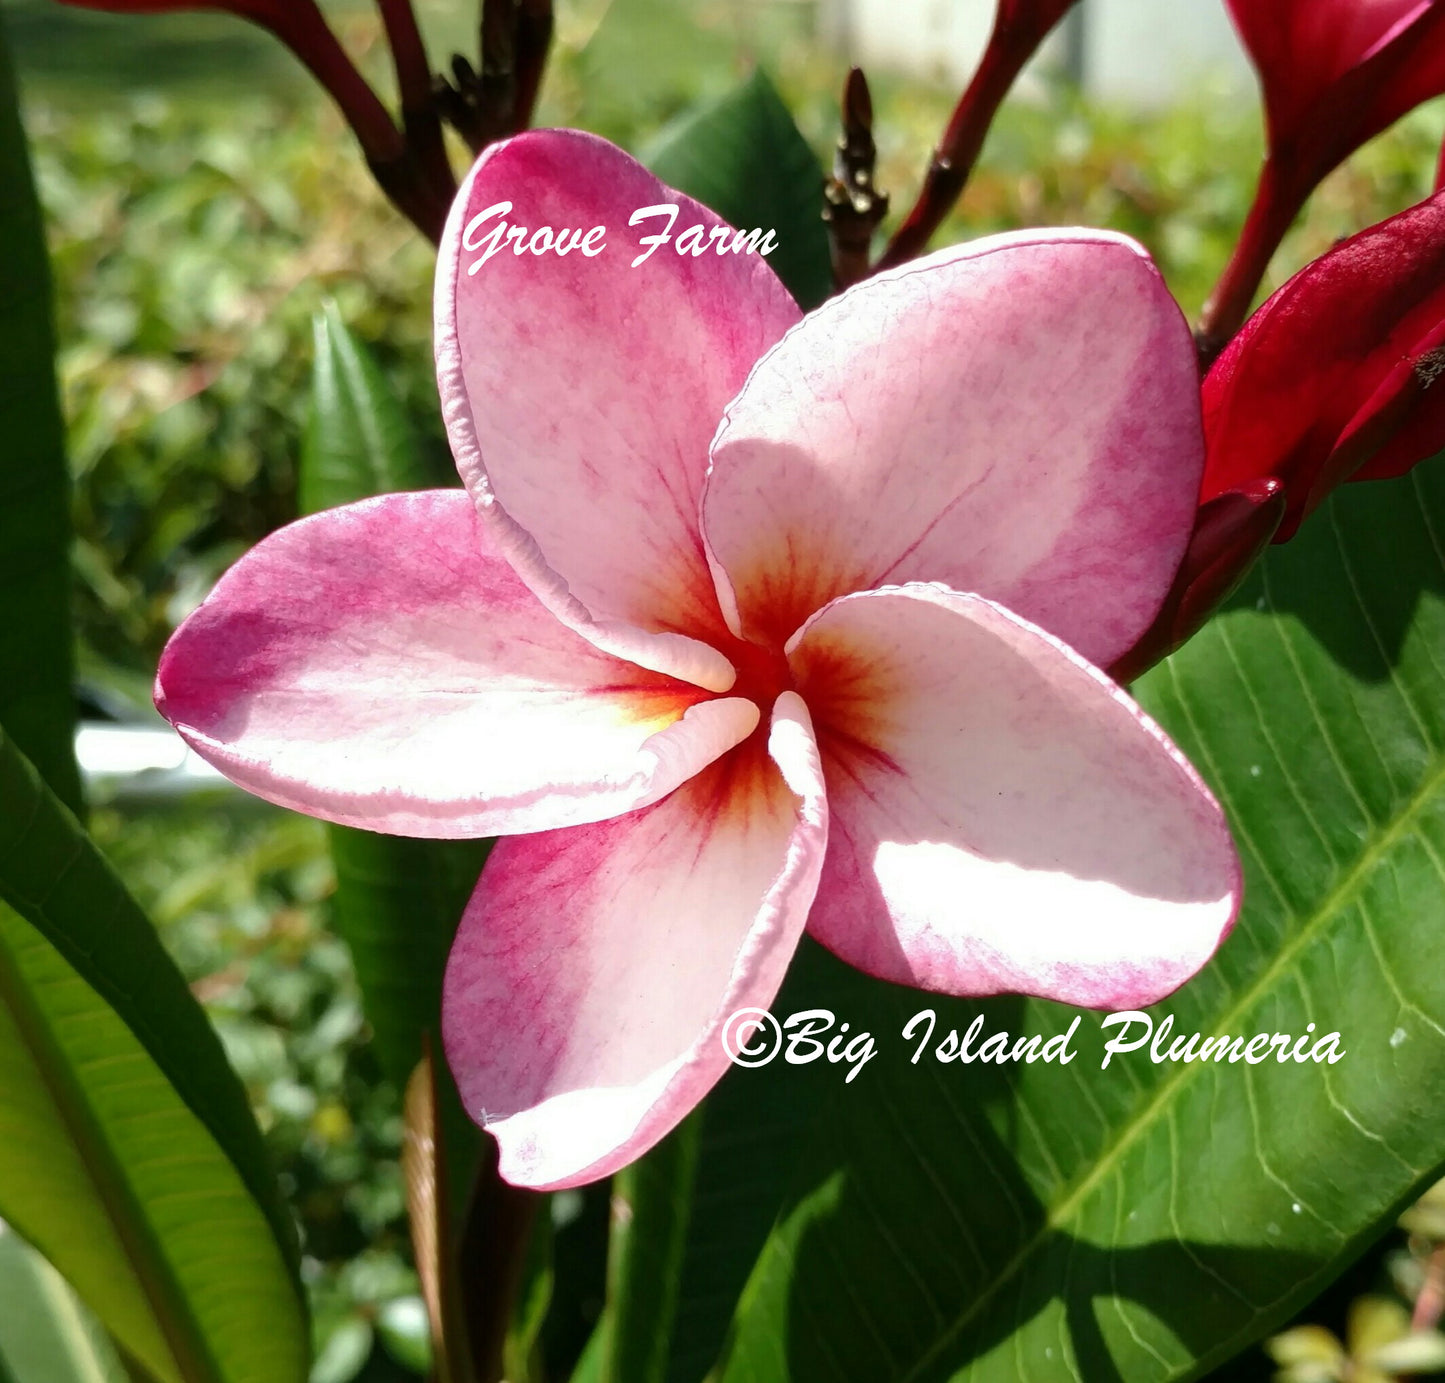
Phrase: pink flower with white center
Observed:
(744, 624)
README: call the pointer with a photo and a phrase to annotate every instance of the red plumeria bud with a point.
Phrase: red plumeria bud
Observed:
(1230, 531)
(1337, 72)
(1333, 378)
(1334, 74)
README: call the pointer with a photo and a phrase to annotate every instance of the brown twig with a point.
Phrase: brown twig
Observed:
(1017, 33)
(424, 1171)
(420, 119)
(852, 206)
(498, 101)
(533, 43)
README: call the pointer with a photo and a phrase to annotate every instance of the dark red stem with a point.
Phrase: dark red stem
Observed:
(387, 154)
(414, 83)
(532, 43)
(1276, 204)
(308, 34)
(1010, 47)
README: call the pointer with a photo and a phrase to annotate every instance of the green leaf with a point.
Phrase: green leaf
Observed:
(36, 702)
(743, 157)
(397, 905)
(1146, 1222)
(651, 1208)
(128, 1154)
(398, 901)
(46, 1334)
(522, 1349)
(754, 1131)
(359, 442)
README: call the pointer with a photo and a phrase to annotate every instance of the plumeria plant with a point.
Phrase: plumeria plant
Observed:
(945, 684)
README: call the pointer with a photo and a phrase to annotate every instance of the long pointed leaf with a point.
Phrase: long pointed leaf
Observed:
(36, 702)
(651, 1210)
(128, 1154)
(359, 441)
(743, 156)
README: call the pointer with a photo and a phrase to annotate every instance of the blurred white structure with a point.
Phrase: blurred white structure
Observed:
(141, 762)
(1138, 51)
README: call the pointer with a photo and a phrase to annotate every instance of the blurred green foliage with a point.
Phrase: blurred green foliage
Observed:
(185, 370)
(196, 226)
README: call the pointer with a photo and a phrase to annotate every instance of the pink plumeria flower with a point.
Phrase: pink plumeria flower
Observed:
(740, 628)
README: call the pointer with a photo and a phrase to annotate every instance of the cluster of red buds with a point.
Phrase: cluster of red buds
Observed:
(1332, 379)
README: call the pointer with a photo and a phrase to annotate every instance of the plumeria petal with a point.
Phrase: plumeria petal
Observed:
(1335, 73)
(580, 393)
(1003, 817)
(379, 666)
(594, 971)
(1336, 376)
(1017, 417)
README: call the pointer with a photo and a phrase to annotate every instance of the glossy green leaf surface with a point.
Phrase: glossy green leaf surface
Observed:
(359, 442)
(743, 157)
(36, 702)
(1144, 1222)
(128, 1154)
(651, 1210)
(397, 904)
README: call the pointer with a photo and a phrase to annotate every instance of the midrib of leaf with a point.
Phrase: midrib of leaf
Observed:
(1400, 825)
(188, 1348)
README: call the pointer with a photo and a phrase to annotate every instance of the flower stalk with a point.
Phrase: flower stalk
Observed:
(420, 118)
(1019, 28)
(515, 37)
(1276, 204)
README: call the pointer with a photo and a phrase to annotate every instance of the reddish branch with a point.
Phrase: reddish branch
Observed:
(1275, 206)
(498, 101)
(420, 119)
(1020, 26)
